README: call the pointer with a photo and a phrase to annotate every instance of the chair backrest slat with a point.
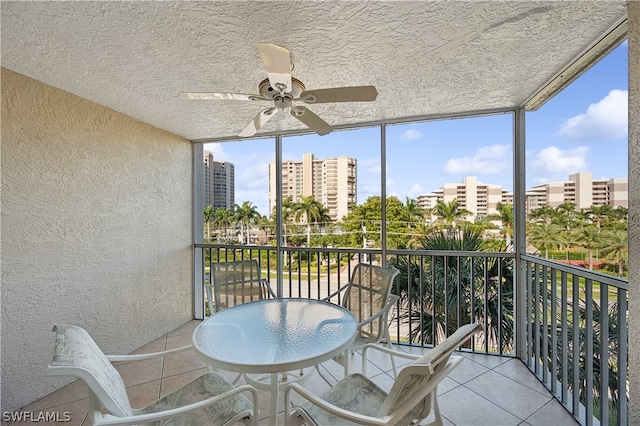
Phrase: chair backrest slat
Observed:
(235, 283)
(76, 354)
(415, 376)
(367, 294)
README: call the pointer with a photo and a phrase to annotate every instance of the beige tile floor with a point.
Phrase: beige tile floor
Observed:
(483, 390)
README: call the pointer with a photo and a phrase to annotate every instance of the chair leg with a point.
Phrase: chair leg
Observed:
(347, 355)
(324, 376)
(393, 360)
(237, 378)
(436, 408)
(209, 299)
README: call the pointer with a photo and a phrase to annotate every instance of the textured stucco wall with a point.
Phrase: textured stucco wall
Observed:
(633, 14)
(96, 230)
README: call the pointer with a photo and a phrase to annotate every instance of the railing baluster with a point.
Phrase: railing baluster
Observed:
(544, 332)
(553, 326)
(458, 293)
(536, 320)
(564, 348)
(410, 307)
(529, 313)
(433, 298)
(328, 274)
(604, 354)
(486, 303)
(472, 297)
(589, 348)
(445, 261)
(421, 279)
(622, 357)
(575, 310)
(500, 307)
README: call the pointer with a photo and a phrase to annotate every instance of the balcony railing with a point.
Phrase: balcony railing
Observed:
(577, 338)
(569, 311)
(439, 290)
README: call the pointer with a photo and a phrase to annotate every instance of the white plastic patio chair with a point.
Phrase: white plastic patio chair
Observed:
(357, 400)
(209, 399)
(237, 282)
(368, 297)
(234, 283)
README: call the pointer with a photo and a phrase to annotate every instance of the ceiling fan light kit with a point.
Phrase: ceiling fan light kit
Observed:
(283, 90)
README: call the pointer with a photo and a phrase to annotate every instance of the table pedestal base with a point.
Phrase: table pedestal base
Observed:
(272, 383)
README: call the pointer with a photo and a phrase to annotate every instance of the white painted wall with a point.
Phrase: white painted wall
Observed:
(96, 230)
(633, 15)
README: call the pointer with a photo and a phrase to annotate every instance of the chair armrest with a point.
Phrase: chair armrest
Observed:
(265, 283)
(386, 350)
(330, 408)
(138, 357)
(384, 311)
(111, 420)
(341, 289)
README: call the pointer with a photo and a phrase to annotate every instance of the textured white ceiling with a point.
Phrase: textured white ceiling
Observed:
(424, 57)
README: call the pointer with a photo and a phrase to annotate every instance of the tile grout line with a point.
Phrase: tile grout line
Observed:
(547, 393)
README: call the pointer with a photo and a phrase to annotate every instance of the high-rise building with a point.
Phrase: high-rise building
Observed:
(582, 190)
(331, 181)
(219, 183)
(480, 199)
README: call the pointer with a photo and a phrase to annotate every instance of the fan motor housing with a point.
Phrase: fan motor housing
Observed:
(265, 89)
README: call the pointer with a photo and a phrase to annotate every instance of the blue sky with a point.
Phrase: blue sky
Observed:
(584, 128)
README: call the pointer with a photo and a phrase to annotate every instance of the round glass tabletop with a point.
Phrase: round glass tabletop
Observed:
(274, 335)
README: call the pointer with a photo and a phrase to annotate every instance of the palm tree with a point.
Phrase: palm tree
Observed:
(287, 213)
(566, 216)
(223, 218)
(246, 214)
(420, 234)
(589, 238)
(415, 213)
(566, 238)
(266, 226)
(621, 213)
(616, 248)
(312, 211)
(543, 236)
(505, 216)
(598, 214)
(542, 214)
(442, 288)
(450, 212)
(208, 217)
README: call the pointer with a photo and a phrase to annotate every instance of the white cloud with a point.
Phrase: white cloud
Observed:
(217, 150)
(493, 159)
(255, 174)
(553, 164)
(411, 134)
(369, 165)
(415, 190)
(604, 121)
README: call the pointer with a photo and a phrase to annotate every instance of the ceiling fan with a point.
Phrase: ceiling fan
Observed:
(282, 90)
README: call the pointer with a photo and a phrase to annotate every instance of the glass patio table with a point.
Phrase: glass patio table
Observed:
(274, 336)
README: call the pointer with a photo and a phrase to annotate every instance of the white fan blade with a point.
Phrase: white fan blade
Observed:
(277, 62)
(257, 122)
(340, 94)
(224, 96)
(312, 121)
